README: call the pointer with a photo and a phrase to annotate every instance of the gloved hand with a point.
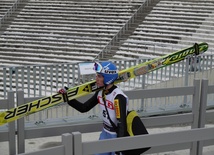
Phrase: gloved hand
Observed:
(63, 90)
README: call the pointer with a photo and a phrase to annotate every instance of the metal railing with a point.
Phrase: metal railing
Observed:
(12, 9)
(43, 80)
(193, 139)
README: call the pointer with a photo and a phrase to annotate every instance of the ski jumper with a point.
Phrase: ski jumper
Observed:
(117, 105)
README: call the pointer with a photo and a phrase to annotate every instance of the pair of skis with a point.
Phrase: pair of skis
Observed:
(89, 87)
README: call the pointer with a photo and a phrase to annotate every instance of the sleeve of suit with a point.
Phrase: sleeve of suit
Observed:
(120, 110)
(86, 106)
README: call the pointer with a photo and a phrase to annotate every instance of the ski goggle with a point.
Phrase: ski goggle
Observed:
(98, 67)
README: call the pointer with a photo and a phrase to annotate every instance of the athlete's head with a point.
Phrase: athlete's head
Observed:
(108, 70)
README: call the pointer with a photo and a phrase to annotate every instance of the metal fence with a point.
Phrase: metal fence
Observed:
(194, 139)
(43, 80)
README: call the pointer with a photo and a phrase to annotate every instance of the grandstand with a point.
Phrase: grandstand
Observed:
(46, 32)
(42, 32)
(169, 26)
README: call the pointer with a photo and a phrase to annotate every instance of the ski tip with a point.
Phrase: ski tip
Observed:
(200, 48)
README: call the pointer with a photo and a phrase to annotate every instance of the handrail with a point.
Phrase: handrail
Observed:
(10, 11)
(123, 29)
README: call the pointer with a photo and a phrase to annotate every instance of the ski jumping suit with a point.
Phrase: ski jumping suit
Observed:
(117, 105)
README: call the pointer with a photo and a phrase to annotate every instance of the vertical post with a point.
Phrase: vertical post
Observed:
(68, 75)
(195, 111)
(40, 81)
(16, 77)
(5, 81)
(62, 73)
(196, 103)
(28, 80)
(186, 77)
(67, 141)
(45, 78)
(11, 126)
(202, 111)
(143, 87)
(20, 125)
(34, 81)
(77, 143)
(11, 77)
(79, 76)
(203, 102)
(73, 75)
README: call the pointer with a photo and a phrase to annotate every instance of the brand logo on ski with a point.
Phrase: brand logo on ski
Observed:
(91, 87)
(72, 92)
(94, 87)
(27, 108)
(181, 55)
(178, 57)
(87, 89)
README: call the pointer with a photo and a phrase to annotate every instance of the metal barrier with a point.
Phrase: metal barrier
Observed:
(72, 144)
(43, 80)
(197, 115)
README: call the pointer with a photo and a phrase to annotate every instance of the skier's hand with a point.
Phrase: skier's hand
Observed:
(63, 90)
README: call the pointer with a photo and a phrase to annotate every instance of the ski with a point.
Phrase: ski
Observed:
(89, 87)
